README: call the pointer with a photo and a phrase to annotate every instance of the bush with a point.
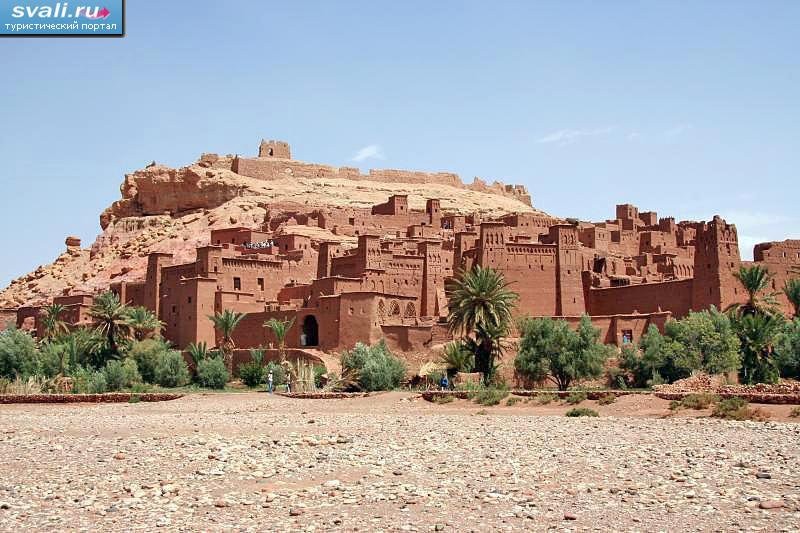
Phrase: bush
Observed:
(699, 401)
(512, 400)
(86, 381)
(576, 397)
(319, 372)
(212, 373)
(795, 412)
(251, 374)
(376, 367)
(581, 411)
(552, 349)
(18, 354)
(607, 399)
(704, 340)
(544, 399)
(738, 409)
(787, 350)
(171, 370)
(147, 353)
(448, 398)
(489, 395)
(122, 374)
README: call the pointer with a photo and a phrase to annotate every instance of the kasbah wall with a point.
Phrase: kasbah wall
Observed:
(627, 272)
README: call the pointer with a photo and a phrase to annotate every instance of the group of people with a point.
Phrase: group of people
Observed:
(259, 245)
(271, 383)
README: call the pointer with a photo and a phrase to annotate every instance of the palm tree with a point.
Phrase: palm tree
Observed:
(791, 288)
(143, 322)
(457, 357)
(227, 322)
(757, 333)
(111, 317)
(755, 280)
(480, 304)
(280, 328)
(197, 352)
(54, 326)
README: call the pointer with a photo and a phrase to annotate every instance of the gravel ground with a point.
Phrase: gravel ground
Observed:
(390, 462)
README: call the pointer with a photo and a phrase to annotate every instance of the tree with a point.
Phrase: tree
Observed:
(111, 317)
(142, 322)
(480, 307)
(18, 354)
(227, 322)
(787, 350)
(54, 326)
(551, 349)
(758, 333)
(707, 340)
(791, 288)
(755, 280)
(280, 328)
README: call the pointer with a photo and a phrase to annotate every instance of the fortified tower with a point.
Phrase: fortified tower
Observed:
(569, 280)
(276, 149)
(716, 258)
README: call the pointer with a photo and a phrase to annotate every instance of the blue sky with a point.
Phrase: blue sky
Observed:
(686, 108)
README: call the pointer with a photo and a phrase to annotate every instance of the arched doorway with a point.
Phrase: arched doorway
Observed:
(309, 335)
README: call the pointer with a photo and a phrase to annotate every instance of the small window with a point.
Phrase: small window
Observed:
(237, 284)
(261, 284)
(627, 336)
(189, 300)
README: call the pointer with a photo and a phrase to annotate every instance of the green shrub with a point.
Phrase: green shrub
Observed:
(544, 399)
(134, 399)
(171, 370)
(141, 387)
(50, 357)
(212, 373)
(86, 381)
(512, 400)
(319, 373)
(581, 411)
(147, 353)
(615, 377)
(18, 354)
(489, 395)
(795, 412)
(738, 409)
(122, 374)
(251, 374)
(575, 397)
(376, 367)
(699, 401)
(607, 399)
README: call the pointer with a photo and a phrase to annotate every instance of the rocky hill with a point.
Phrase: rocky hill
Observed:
(173, 210)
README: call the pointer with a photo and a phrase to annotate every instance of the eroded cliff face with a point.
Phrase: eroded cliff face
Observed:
(164, 209)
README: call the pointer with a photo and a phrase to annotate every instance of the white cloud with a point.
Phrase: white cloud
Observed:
(373, 151)
(569, 136)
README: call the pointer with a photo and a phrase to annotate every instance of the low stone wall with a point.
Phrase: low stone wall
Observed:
(590, 394)
(325, 395)
(752, 397)
(111, 397)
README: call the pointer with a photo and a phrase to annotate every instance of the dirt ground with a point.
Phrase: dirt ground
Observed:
(393, 462)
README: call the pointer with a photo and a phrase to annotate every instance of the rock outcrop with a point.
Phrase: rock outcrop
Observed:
(172, 210)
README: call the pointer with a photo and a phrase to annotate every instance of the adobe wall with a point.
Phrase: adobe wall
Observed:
(673, 296)
(783, 260)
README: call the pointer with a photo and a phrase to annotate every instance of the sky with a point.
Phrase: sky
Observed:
(686, 108)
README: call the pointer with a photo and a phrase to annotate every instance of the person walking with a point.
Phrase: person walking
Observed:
(444, 382)
(269, 381)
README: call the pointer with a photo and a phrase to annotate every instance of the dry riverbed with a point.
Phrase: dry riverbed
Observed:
(392, 462)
